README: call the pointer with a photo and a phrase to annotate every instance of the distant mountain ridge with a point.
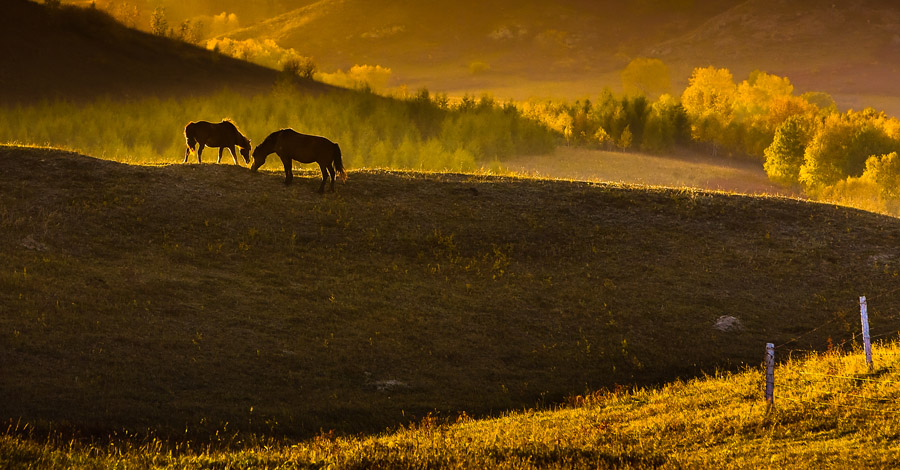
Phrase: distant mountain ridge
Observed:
(849, 48)
(433, 42)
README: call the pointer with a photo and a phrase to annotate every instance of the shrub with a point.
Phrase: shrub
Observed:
(298, 66)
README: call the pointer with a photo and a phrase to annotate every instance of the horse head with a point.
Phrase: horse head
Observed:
(262, 151)
(259, 158)
(245, 152)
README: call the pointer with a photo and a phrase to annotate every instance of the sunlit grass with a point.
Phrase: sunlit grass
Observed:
(829, 411)
(416, 133)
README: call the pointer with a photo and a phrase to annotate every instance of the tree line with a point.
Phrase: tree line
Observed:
(803, 141)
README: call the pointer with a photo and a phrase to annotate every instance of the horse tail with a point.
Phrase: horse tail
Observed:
(338, 163)
(189, 136)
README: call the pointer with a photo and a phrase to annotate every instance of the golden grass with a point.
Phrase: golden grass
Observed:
(830, 412)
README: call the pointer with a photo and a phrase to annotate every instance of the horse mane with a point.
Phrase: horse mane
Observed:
(271, 137)
(230, 121)
(236, 129)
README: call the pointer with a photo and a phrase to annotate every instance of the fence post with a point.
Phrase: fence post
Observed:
(867, 341)
(770, 373)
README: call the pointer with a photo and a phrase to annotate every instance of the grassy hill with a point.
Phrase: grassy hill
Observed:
(75, 54)
(829, 412)
(196, 298)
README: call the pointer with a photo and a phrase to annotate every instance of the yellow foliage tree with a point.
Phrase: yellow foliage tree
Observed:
(755, 95)
(647, 77)
(709, 101)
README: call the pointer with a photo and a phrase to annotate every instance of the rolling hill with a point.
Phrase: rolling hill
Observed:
(573, 49)
(849, 49)
(829, 412)
(526, 46)
(209, 298)
(75, 54)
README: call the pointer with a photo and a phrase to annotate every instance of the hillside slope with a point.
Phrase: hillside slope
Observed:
(74, 54)
(525, 45)
(829, 411)
(199, 295)
(575, 48)
(850, 49)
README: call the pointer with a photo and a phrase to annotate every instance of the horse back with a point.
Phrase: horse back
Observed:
(221, 134)
(304, 148)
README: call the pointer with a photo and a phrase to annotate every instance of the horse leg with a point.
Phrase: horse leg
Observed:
(187, 153)
(330, 168)
(324, 178)
(200, 152)
(233, 156)
(220, 155)
(288, 169)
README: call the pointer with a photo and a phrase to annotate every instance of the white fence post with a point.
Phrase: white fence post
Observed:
(770, 373)
(864, 317)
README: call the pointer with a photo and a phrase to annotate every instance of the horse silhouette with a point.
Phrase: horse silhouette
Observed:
(224, 135)
(291, 145)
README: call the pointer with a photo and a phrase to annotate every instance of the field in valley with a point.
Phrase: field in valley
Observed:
(679, 170)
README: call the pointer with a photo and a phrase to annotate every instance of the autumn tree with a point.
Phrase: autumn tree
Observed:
(784, 156)
(125, 12)
(159, 25)
(884, 172)
(296, 66)
(667, 125)
(822, 100)
(646, 77)
(842, 145)
(755, 95)
(709, 101)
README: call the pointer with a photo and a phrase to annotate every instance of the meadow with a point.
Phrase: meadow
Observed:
(684, 169)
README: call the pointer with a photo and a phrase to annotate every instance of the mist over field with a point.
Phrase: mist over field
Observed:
(511, 234)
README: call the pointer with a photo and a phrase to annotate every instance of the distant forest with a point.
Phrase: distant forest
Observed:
(803, 141)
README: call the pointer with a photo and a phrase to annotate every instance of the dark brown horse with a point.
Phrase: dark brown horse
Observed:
(224, 135)
(291, 145)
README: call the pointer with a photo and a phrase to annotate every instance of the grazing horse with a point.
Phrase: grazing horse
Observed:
(224, 135)
(291, 145)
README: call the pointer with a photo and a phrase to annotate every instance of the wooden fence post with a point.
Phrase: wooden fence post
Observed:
(864, 317)
(770, 373)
